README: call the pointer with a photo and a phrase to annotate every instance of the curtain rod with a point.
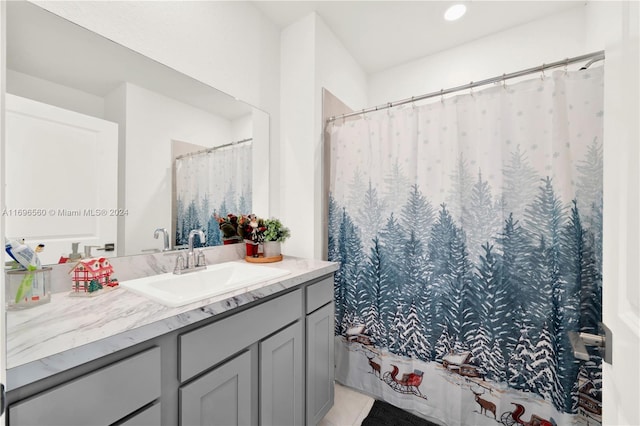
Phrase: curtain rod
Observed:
(592, 57)
(208, 150)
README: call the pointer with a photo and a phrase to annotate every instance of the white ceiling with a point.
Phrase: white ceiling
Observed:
(384, 34)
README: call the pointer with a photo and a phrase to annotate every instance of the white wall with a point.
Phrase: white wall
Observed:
(311, 58)
(228, 45)
(45, 91)
(152, 122)
(297, 138)
(241, 128)
(543, 41)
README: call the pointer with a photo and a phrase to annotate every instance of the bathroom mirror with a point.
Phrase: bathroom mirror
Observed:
(136, 116)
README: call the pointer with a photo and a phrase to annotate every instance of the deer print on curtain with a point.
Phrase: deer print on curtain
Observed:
(469, 232)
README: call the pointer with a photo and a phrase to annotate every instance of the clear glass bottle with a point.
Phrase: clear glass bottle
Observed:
(25, 289)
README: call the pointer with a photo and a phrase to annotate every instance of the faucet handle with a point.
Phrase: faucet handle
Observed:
(200, 260)
(179, 264)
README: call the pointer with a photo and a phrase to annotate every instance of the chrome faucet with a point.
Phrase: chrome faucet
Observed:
(164, 231)
(193, 263)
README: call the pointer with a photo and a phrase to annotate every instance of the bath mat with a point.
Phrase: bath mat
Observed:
(385, 414)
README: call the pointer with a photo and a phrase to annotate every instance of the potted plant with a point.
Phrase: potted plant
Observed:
(274, 234)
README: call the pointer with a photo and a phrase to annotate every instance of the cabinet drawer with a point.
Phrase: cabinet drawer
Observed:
(99, 398)
(319, 294)
(207, 346)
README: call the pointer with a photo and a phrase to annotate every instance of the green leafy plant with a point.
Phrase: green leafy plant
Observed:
(275, 230)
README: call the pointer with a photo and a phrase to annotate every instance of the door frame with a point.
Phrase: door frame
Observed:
(621, 225)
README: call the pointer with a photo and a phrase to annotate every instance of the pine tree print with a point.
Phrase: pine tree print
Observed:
(520, 182)
(413, 341)
(377, 281)
(481, 220)
(214, 236)
(545, 216)
(545, 381)
(498, 306)
(460, 192)
(392, 249)
(417, 215)
(443, 346)
(190, 221)
(517, 279)
(583, 278)
(357, 188)
(244, 206)
(396, 184)
(439, 251)
(333, 224)
(370, 217)
(520, 364)
(456, 296)
(496, 365)
(589, 190)
(179, 221)
(397, 329)
(480, 345)
(350, 271)
(412, 273)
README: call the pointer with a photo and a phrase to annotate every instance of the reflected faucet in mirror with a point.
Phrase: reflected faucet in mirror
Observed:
(167, 246)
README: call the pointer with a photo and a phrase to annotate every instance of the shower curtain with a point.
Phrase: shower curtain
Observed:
(469, 236)
(209, 183)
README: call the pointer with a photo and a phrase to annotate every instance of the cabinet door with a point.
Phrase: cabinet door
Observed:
(282, 375)
(320, 364)
(220, 397)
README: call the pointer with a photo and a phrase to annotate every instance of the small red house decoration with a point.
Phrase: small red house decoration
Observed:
(90, 275)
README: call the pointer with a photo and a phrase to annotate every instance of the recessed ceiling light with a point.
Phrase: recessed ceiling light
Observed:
(455, 12)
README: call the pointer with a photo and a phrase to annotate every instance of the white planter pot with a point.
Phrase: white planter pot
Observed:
(271, 248)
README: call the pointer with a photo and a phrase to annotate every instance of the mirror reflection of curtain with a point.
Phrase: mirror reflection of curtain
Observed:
(212, 182)
(469, 236)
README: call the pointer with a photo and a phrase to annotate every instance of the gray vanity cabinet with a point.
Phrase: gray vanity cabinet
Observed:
(223, 396)
(220, 397)
(270, 363)
(102, 397)
(282, 378)
(319, 350)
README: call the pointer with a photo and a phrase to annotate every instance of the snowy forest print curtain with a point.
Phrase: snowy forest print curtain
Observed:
(469, 232)
(217, 181)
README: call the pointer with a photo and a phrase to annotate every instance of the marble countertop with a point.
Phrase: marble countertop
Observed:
(70, 331)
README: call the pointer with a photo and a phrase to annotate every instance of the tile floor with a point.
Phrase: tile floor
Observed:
(349, 408)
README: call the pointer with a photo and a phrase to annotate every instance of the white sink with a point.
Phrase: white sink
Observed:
(177, 290)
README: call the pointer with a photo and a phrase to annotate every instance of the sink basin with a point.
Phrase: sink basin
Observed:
(177, 290)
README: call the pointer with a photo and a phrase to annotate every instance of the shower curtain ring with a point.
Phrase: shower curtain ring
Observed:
(542, 76)
(442, 96)
(504, 80)
(389, 106)
(471, 88)
(566, 66)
